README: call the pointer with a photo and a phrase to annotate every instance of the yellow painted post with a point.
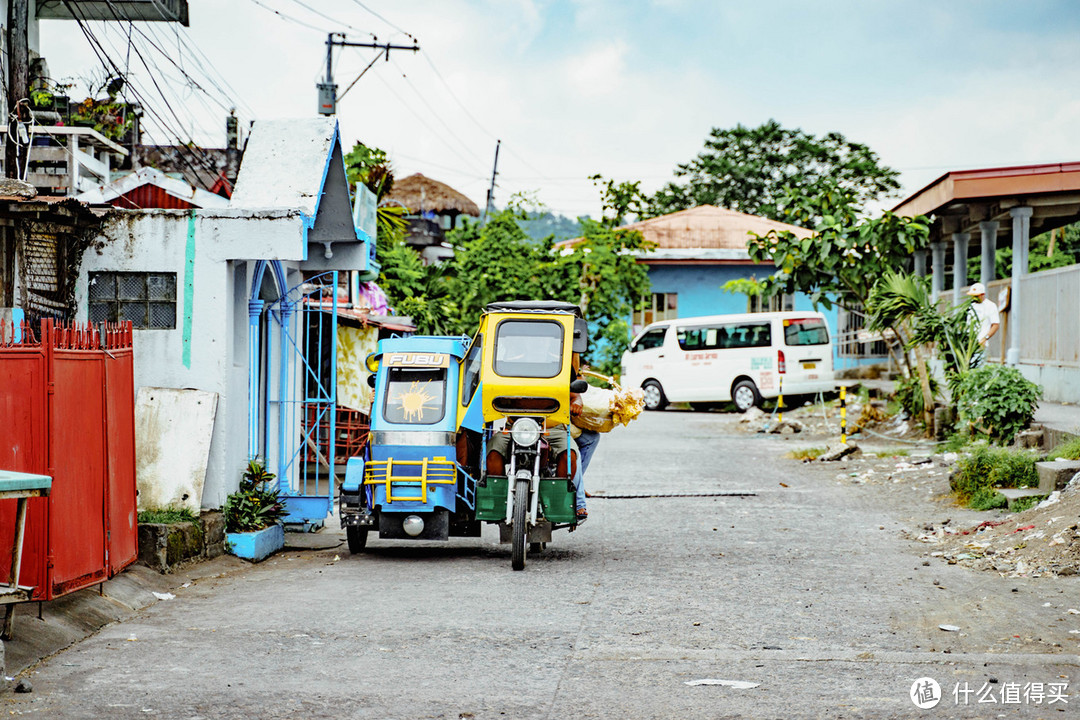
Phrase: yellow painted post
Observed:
(780, 400)
(843, 415)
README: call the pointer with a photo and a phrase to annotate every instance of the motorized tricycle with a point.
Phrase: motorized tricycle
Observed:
(525, 351)
(469, 432)
(410, 484)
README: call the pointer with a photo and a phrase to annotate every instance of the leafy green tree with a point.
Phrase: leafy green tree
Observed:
(610, 282)
(496, 261)
(846, 255)
(370, 167)
(757, 170)
(499, 262)
(423, 292)
(621, 200)
(903, 303)
(750, 287)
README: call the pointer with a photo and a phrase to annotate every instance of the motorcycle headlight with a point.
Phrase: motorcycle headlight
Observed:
(525, 432)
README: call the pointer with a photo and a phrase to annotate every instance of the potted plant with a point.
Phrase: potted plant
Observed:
(108, 116)
(253, 514)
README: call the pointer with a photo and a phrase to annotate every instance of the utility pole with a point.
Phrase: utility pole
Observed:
(15, 148)
(491, 190)
(328, 96)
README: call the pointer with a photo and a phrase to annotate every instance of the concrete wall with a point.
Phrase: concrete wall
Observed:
(224, 244)
(1059, 384)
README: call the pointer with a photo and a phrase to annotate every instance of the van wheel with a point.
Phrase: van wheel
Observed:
(745, 395)
(654, 395)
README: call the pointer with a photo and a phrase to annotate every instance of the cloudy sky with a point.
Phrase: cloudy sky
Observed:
(625, 88)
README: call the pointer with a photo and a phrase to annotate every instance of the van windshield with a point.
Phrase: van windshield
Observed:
(806, 331)
(652, 339)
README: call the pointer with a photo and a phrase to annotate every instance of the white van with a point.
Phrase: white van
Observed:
(725, 358)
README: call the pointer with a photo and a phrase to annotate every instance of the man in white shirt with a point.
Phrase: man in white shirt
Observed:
(988, 317)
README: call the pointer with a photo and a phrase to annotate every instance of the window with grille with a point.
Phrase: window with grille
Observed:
(781, 302)
(148, 300)
(656, 307)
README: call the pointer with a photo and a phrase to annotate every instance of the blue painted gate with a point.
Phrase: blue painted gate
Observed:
(305, 397)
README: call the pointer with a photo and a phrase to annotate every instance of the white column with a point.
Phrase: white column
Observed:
(937, 254)
(920, 263)
(960, 253)
(989, 231)
(1021, 219)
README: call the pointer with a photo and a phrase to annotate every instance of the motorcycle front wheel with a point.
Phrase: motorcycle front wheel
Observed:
(520, 531)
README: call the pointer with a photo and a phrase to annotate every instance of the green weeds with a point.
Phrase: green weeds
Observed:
(167, 516)
(979, 474)
(1069, 450)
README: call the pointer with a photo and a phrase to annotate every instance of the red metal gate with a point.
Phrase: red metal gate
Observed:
(68, 400)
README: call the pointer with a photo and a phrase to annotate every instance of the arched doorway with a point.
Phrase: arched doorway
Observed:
(293, 386)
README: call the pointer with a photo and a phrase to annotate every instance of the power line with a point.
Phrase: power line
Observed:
(409, 107)
(380, 17)
(188, 79)
(333, 20)
(447, 168)
(107, 61)
(233, 97)
(157, 71)
(289, 18)
(357, 78)
(468, 113)
(427, 57)
(434, 112)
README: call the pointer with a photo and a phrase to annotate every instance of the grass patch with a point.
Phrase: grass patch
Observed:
(978, 475)
(1022, 504)
(167, 516)
(898, 452)
(1069, 450)
(811, 453)
(954, 443)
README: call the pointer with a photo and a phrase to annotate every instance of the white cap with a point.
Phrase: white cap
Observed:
(977, 289)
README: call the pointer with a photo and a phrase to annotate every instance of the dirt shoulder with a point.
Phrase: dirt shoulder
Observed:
(913, 480)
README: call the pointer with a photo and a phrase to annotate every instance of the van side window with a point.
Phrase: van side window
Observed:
(747, 335)
(652, 339)
(702, 338)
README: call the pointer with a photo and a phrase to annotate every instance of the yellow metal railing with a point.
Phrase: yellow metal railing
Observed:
(433, 471)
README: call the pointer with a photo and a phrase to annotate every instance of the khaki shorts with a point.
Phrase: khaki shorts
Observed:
(556, 439)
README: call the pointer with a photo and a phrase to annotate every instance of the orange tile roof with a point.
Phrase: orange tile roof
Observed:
(708, 226)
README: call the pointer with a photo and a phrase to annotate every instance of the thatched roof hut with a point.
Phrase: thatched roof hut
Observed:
(422, 194)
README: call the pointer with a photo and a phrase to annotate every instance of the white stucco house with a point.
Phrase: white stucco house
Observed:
(240, 302)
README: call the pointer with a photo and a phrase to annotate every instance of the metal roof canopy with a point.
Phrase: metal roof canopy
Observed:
(959, 200)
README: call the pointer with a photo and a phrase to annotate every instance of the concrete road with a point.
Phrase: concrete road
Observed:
(808, 591)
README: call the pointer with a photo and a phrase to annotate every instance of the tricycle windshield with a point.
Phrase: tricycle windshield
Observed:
(415, 396)
(529, 348)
